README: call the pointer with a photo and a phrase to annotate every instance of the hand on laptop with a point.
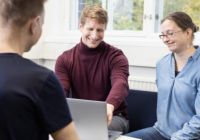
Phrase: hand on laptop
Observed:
(110, 109)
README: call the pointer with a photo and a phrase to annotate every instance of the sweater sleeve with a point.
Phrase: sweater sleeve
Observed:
(62, 74)
(119, 69)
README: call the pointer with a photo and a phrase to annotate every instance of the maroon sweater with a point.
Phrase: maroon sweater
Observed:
(99, 74)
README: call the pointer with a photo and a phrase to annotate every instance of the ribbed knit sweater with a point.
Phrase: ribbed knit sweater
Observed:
(99, 74)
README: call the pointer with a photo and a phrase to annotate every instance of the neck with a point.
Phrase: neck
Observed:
(86, 50)
(11, 42)
(186, 53)
(181, 57)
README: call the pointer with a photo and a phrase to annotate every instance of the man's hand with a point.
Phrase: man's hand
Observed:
(110, 109)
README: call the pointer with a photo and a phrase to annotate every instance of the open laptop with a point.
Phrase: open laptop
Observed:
(90, 119)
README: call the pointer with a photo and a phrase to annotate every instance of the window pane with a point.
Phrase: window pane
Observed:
(123, 14)
(165, 7)
(83, 3)
(127, 15)
(93, 2)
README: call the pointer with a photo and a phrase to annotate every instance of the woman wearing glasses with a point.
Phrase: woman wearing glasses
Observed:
(178, 82)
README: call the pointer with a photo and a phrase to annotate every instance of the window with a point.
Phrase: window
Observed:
(135, 17)
(83, 3)
(165, 7)
(123, 14)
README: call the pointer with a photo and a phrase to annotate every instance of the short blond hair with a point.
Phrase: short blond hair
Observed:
(94, 11)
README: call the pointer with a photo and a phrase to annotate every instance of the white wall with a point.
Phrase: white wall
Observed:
(135, 71)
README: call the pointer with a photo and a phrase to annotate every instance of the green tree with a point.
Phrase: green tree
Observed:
(191, 7)
(128, 15)
(93, 2)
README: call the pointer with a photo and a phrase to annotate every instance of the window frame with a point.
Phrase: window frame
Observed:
(148, 24)
(71, 22)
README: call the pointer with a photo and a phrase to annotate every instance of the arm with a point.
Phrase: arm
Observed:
(191, 129)
(52, 109)
(62, 74)
(66, 133)
(119, 68)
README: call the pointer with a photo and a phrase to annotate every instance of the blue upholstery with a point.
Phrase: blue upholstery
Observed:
(141, 109)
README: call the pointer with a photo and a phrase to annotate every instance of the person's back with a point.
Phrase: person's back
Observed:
(25, 99)
(32, 100)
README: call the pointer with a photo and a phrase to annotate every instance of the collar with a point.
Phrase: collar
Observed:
(10, 54)
(196, 54)
(86, 50)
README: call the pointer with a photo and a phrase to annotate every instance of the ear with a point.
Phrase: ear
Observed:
(35, 24)
(189, 33)
(80, 27)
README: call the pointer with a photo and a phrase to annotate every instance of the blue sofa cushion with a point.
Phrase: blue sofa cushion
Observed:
(141, 109)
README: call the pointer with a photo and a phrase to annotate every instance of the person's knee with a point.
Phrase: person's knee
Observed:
(139, 134)
(119, 124)
(147, 134)
(134, 134)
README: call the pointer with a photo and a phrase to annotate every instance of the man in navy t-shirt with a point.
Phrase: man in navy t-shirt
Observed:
(32, 100)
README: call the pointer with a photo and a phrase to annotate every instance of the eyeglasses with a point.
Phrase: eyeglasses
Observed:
(168, 35)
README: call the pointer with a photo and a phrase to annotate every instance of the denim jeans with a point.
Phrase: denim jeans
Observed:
(147, 134)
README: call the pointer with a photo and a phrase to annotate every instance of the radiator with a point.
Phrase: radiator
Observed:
(142, 83)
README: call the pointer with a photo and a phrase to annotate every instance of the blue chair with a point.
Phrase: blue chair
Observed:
(141, 109)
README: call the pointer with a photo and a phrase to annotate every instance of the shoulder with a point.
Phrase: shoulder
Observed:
(32, 68)
(164, 60)
(35, 75)
(113, 49)
(114, 52)
(198, 53)
(115, 57)
(31, 75)
(39, 75)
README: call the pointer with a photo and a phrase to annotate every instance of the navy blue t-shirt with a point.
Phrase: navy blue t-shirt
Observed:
(32, 100)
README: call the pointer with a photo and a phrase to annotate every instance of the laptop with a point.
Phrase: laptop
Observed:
(90, 119)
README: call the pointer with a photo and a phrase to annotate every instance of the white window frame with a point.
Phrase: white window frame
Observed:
(160, 15)
(151, 23)
(72, 17)
(148, 24)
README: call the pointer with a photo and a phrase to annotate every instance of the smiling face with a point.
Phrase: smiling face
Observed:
(92, 32)
(178, 41)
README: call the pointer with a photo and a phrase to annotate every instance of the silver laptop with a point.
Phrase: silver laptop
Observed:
(90, 119)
